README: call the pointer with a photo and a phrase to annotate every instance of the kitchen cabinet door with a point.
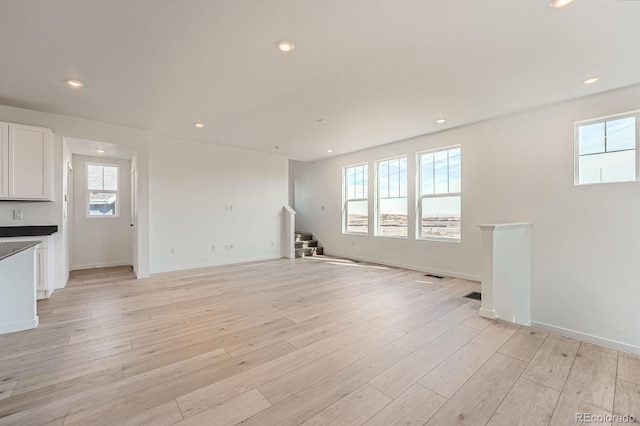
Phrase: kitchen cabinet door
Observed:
(30, 162)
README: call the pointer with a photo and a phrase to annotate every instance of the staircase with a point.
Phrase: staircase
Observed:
(306, 245)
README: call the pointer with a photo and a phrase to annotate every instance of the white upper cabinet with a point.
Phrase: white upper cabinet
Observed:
(27, 162)
(4, 160)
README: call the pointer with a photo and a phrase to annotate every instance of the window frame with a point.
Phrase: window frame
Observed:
(346, 200)
(605, 119)
(420, 197)
(376, 227)
(110, 191)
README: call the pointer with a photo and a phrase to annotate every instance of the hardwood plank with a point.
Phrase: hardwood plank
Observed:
(305, 376)
(354, 409)
(127, 405)
(230, 412)
(455, 371)
(209, 396)
(425, 334)
(161, 415)
(25, 401)
(590, 386)
(402, 375)
(524, 344)
(627, 402)
(527, 404)
(412, 408)
(477, 322)
(6, 389)
(629, 368)
(551, 364)
(312, 400)
(72, 404)
(477, 400)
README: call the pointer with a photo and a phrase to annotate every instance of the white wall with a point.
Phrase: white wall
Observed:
(586, 239)
(51, 213)
(190, 185)
(101, 241)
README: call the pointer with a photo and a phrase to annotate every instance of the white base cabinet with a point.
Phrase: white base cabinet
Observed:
(45, 278)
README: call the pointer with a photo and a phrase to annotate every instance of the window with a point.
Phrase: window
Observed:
(102, 186)
(439, 194)
(356, 205)
(392, 198)
(606, 150)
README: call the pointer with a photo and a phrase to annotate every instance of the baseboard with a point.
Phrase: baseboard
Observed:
(625, 347)
(101, 265)
(487, 313)
(214, 263)
(440, 272)
(19, 326)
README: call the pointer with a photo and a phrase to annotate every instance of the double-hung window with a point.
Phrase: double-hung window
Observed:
(606, 150)
(439, 191)
(356, 203)
(102, 188)
(392, 219)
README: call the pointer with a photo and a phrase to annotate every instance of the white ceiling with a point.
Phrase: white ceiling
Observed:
(111, 150)
(377, 70)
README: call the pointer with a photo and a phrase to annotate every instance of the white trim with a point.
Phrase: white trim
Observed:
(433, 271)
(614, 344)
(101, 265)
(19, 326)
(214, 263)
(487, 313)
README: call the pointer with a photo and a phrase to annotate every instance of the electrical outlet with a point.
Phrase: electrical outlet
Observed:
(273, 243)
(18, 215)
(213, 247)
(173, 251)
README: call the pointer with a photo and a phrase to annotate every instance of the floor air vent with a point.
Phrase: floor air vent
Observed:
(434, 276)
(474, 295)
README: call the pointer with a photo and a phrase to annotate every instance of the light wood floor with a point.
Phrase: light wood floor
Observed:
(307, 341)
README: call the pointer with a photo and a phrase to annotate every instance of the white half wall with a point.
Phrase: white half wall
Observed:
(585, 239)
(206, 198)
(101, 241)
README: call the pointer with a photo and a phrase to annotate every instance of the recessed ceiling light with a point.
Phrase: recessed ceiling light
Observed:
(199, 125)
(441, 120)
(590, 80)
(100, 151)
(285, 46)
(75, 83)
(329, 150)
(557, 4)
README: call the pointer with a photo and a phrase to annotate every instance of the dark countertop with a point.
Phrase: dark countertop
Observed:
(9, 249)
(27, 231)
